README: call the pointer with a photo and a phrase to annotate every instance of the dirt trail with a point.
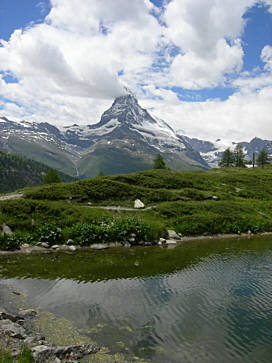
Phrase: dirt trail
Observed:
(12, 196)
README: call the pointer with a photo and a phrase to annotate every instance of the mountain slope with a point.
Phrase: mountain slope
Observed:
(17, 172)
(126, 139)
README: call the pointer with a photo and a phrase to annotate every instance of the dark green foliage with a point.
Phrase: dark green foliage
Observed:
(239, 157)
(9, 242)
(227, 159)
(18, 172)
(51, 177)
(118, 230)
(262, 158)
(158, 162)
(50, 234)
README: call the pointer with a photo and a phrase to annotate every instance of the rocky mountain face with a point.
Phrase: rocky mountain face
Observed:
(126, 139)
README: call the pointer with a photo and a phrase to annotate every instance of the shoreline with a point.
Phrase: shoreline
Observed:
(104, 246)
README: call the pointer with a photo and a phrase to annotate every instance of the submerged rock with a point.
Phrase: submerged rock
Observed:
(99, 246)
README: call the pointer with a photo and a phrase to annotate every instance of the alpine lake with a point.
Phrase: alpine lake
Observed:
(203, 301)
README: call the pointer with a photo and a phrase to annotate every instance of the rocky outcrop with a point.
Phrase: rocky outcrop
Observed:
(15, 336)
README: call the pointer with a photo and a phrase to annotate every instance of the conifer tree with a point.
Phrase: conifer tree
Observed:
(239, 157)
(227, 159)
(263, 158)
(51, 177)
(158, 162)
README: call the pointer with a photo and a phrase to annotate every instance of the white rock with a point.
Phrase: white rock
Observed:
(25, 245)
(99, 246)
(171, 242)
(70, 242)
(138, 204)
(45, 245)
(173, 235)
(72, 248)
(55, 247)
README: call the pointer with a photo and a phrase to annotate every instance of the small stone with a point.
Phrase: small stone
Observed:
(55, 247)
(25, 245)
(72, 248)
(171, 242)
(136, 263)
(15, 353)
(33, 222)
(131, 240)
(249, 232)
(70, 242)
(138, 204)
(89, 203)
(173, 235)
(127, 245)
(45, 245)
(57, 360)
(238, 190)
(133, 235)
(162, 240)
(28, 313)
(215, 197)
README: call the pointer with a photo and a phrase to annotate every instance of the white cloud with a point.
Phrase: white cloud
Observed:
(207, 32)
(68, 66)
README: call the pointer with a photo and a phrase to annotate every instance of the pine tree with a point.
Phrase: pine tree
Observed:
(239, 157)
(158, 162)
(101, 173)
(51, 177)
(262, 158)
(227, 159)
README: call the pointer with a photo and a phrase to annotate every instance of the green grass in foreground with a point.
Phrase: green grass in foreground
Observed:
(191, 202)
(24, 357)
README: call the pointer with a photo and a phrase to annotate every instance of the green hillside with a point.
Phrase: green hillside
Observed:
(18, 172)
(218, 201)
(46, 153)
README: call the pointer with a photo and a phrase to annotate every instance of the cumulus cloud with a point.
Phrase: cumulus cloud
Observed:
(70, 67)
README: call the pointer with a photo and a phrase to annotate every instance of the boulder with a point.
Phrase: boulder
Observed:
(173, 235)
(170, 242)
(43, 353)
(55, 247)
(45, 245)
(99, 246)
(6, 229)
(138, 204)
(12, 329)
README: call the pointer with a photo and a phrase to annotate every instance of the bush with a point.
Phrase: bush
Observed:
(50, 234)
(118, 230)
(9, 242)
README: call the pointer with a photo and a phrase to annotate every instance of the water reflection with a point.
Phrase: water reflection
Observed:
(207, 303)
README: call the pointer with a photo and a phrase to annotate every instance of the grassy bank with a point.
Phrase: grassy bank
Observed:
(193, 203)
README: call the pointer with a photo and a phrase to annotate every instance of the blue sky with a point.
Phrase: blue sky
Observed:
(204, 67)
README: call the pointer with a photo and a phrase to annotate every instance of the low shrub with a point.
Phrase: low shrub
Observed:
(50, 234)
(118, 230)
(9, 242)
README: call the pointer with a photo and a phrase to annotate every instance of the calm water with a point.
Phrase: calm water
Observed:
(201, 302)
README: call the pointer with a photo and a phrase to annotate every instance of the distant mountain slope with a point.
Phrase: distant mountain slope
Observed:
(126, 139)
(17, 172)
